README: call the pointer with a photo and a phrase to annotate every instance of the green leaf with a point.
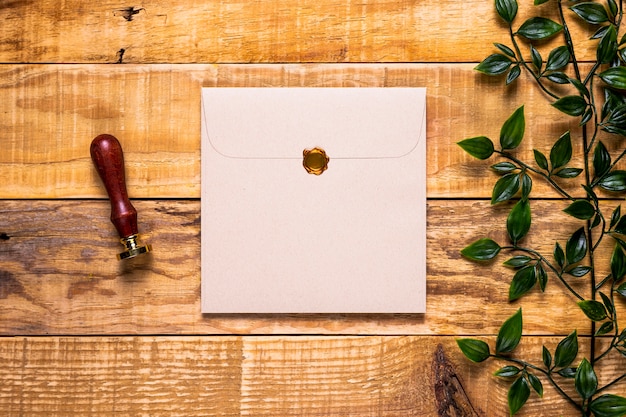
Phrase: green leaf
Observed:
(612, 100)
(593, 13)
(504, 167)
(568, 172)
(579, 271)
(619, 240)
(473, 349)
(566, 351)
(480, 147)
(601, 160)
(481, 250)
(615, 217)
(591, 194)
(618, 263)
(581, 209)
(494, 64)
(606, 327)
(594, 310)
(613, 7)
(571, 105)
(523, 281)
(510, 333)
(517, 261)
(614, 181)
(617, 116)
(615, 77)
(535, 56)
(505, 49)
(613, 129)
(558, 58)
(567, 372)
(585, 381)
(561, 151)
(513, 74)
(527, 186)
(547, 357)
(608, 304)
(620, 227)
(505, 188)
(542, 276)
(541, 159)
(582, 89)
(608, 405)
(559, 255)
(537, 28)
(596, 221)
(507, 371)
(536, 384)
(538, 2)
(518, 221)
(512, 130)
(587, 115)
(576, 246)
(621, 290)
(600, 32)
(518, 395)
(507, 9)
(558, 77)
(607, 48)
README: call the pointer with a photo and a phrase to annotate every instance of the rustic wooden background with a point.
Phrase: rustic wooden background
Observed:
(83, 334)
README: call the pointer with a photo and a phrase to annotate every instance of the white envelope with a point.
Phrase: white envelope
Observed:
(277, 239)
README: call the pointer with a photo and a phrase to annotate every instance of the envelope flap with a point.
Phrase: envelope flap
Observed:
(282, 122)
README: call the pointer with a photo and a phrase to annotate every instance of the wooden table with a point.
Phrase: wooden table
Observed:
(82, 334)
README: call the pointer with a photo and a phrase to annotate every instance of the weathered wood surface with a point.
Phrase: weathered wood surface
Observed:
(86, 324)
(52, 112)
(260, 376)
(58, 275)
(240, 31)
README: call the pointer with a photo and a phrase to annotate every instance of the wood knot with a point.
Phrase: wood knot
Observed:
(128, 12)
(452, 401)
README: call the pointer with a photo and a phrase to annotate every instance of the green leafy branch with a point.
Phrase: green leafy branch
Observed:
(598, 100)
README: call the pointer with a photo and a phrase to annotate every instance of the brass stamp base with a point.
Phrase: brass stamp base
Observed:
(132, 248)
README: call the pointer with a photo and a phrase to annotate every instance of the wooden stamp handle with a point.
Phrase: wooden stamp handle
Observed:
(107, 156)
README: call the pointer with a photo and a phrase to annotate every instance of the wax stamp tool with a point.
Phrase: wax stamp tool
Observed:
(107, 156)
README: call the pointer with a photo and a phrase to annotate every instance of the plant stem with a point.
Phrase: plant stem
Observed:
(549, 265)
(614, 320)
(527, 68)
(594, 183)
(615, 381)
(568, 41)
(547, 374)
(607, 351)
(536, 171)
(585, 147)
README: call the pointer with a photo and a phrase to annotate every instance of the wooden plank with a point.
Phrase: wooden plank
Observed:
(273, 376)
(59, 275)
(239, 31)
(52, 112)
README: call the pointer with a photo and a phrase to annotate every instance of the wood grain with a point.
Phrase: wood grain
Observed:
(59, 275)
(240, 31)
(268, 376)
(83, 334)
(53, 112)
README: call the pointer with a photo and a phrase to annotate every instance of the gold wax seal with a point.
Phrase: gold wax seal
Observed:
(315, 160)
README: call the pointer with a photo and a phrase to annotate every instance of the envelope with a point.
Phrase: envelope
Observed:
(277, 238)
